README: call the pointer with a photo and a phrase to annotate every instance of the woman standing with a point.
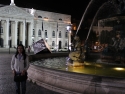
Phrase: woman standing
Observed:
(19, 66)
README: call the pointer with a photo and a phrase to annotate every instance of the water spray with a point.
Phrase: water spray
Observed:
(83, 16)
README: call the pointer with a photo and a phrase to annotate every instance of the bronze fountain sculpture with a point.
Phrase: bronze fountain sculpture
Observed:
(77, 56)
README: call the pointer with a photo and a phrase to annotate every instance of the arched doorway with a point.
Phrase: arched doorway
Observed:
(1, 42)
(60, 43)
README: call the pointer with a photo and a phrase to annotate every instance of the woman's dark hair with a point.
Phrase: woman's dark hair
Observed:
(23, 53)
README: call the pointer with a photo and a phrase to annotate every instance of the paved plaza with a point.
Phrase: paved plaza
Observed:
(7, 85)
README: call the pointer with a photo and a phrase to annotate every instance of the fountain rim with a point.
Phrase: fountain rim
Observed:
(76, 72)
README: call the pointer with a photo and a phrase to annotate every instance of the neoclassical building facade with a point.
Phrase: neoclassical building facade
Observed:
(26, 26)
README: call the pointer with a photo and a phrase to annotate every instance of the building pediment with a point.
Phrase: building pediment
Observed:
(14, 11)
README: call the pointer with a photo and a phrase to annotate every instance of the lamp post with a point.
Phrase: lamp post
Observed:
(69, 31)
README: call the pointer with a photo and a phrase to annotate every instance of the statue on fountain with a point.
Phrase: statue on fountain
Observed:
(116, 51)
(77, 56)
(121, 6)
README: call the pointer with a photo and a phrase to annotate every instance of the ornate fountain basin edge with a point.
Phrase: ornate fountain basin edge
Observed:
(74, 83)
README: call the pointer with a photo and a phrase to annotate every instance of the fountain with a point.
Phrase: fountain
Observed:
(73, 74)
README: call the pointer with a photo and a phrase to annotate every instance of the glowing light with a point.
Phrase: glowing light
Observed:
(99, 65)
(119, 69)
(78, 69)
(45, 18)
(87, 63)
(68, 27)
(77, 64)
(70, 31)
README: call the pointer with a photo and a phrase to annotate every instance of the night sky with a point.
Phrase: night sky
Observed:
(73, 8)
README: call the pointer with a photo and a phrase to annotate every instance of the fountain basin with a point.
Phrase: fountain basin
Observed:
(74, 83)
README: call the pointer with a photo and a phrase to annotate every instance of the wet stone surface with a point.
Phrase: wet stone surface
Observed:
(7, 85)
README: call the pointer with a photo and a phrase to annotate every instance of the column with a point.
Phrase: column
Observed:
(23, 33)
(7, 34)
(30, 31)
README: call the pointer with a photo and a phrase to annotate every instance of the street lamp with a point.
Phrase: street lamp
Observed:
(69, 27)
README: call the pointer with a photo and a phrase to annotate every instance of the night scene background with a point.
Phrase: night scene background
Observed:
(74, 8)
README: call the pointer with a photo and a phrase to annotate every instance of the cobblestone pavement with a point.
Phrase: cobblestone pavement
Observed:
(7, 85)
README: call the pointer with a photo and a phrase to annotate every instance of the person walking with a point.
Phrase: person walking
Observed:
(19, 66)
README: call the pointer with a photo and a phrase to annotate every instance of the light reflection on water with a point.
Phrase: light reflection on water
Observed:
(88, 67)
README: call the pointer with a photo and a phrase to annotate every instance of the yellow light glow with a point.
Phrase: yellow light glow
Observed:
(87, 64)
(74, 28)
(119, 69)
(99, 65)
(77, 64)
(78, 69)
(46, 19)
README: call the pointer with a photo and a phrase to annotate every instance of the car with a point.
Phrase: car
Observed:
(52, 49)
(63, 50)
